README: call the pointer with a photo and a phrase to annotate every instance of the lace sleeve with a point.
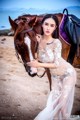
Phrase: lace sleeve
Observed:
(57, 51)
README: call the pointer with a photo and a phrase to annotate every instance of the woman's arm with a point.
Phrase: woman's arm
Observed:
(48, 65)
(55, 63)
(37, 64)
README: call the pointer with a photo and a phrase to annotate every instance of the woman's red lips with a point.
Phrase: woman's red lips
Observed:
(47, 32)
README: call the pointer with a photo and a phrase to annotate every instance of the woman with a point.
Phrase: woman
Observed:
(63, 75)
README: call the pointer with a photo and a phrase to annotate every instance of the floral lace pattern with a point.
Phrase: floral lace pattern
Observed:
(51, 53)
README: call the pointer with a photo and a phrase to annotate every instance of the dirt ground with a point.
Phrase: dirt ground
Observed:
(21, 96)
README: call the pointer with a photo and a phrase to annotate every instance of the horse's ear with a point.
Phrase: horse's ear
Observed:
(13, 24)
(33, 21)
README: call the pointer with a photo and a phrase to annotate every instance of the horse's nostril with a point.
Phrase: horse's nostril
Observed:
(30, 70)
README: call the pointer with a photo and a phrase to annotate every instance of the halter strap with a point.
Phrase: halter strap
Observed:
(28, 30)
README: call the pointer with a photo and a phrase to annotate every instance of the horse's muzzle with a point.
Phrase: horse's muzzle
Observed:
(31, 71)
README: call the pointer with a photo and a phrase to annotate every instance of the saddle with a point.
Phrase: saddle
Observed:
(71, 28)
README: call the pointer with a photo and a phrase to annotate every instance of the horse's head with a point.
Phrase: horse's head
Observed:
(25, 42)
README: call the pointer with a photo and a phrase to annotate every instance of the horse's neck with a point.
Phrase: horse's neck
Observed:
(59, 16)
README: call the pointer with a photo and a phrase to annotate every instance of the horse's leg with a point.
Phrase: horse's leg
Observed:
(76, 62)
(49, 78)
(65, 53)
(72, 54)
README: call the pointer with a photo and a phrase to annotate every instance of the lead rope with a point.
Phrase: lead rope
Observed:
(48, 75)
(49, 78)
(40, 76)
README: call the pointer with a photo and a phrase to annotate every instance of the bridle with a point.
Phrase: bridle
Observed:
(36, 47)
(28, 30)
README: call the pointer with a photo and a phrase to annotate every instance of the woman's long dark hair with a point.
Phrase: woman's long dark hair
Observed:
(55, 33)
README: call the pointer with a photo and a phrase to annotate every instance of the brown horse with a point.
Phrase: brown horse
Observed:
(25, 29)
(25, 43)
(35, 24)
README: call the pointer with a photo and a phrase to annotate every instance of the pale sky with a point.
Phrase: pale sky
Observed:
(40, 4)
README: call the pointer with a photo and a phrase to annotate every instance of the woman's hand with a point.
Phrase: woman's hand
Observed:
(34, 63)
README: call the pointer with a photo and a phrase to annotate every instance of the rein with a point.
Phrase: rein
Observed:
(48, 75)
(40, 76)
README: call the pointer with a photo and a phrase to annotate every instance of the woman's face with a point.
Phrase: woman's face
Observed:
(48, 26)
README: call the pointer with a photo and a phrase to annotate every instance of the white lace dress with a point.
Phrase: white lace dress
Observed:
(60, 100)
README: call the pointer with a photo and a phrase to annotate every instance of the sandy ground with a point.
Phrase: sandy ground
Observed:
(21, 96)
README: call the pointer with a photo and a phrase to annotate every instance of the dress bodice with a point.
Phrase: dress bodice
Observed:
(51, 53)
